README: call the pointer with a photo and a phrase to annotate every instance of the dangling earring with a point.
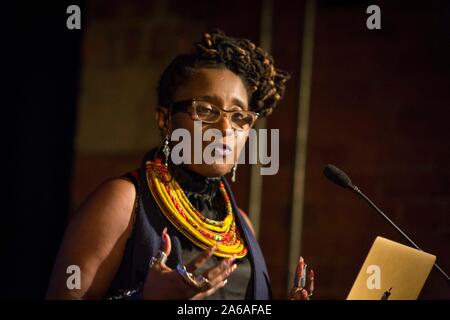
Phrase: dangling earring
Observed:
(233, 173)
(166, 150)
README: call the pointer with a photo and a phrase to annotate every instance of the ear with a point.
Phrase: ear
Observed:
(163, 119)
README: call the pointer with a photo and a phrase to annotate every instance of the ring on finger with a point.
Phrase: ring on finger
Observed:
(198, 283)
(203, 283)
(160, 258)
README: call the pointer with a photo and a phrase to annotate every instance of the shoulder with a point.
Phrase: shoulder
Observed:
(118, 190)
(95, 240)
(247, 220)
(114, 198)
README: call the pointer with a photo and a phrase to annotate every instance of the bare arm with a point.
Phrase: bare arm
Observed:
(95, 241)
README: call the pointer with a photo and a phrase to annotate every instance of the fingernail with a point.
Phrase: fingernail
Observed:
(225, 282)
(163, 236)
(231, 269)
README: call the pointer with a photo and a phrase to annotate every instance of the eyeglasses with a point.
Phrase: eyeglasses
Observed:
(207, 112)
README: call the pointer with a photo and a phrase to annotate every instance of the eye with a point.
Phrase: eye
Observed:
(242, 119)
(239, 115)
(204, 109)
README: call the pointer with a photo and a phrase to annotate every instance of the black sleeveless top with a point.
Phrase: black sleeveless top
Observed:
(205, 196)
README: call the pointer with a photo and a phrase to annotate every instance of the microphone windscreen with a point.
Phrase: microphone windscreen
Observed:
(337, 176)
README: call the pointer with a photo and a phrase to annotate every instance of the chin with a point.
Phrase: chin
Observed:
(211, 170)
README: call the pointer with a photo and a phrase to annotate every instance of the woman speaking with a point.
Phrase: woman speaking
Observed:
(171, 230)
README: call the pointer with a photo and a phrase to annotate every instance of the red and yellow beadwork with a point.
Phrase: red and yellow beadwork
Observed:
(203, 232)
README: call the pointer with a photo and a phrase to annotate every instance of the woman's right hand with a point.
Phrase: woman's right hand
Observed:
(164, 283)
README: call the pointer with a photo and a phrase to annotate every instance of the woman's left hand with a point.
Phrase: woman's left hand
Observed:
(300, 292)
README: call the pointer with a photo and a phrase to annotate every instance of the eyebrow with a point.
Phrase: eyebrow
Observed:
(217, 99)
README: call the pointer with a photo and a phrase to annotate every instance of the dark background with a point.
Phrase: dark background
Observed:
(379, 109)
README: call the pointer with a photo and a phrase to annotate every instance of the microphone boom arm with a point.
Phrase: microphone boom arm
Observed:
(361, 194)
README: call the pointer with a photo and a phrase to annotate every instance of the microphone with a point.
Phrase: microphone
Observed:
(340, 178)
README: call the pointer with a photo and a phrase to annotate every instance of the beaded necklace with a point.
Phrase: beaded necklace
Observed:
(177, 208)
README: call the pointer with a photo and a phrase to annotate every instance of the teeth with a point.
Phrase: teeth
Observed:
(222, 151)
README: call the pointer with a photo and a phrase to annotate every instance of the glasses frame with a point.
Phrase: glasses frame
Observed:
(188, 107)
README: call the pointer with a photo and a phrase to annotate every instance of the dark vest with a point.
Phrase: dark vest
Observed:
(145, 242)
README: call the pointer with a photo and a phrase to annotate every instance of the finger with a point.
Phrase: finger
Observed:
(166, 242)
(293, 290)
(209, 292)
(304, 294)
(219, 268)
(301, 266)
(200, 260)
(310, 286)
(218, 286)
(310, 281)
(166, 248)
(296, 294)
(222, 276)
(299, 272)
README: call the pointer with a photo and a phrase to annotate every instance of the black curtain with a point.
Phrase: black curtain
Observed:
(41, 59)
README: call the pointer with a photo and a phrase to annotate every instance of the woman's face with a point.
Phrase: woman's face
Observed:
(224, 89)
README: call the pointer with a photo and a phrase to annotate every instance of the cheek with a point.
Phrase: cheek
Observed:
(182, 121)
(179, 121)
(240, 139)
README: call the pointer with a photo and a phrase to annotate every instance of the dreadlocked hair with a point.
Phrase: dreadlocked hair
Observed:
(265, 84)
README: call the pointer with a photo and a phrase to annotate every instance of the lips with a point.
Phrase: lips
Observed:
(222, 150)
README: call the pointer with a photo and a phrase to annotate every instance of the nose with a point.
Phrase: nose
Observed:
(224, 125)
